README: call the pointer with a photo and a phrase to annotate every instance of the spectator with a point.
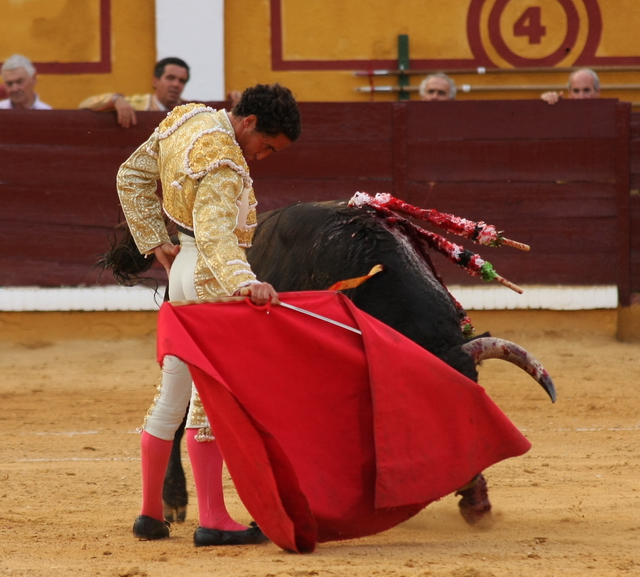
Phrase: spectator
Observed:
(19, 77)
(234, 97)
(170, 76)
(583, 84)
(437, 86)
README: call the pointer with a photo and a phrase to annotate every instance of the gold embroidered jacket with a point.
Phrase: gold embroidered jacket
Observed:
(206, 189)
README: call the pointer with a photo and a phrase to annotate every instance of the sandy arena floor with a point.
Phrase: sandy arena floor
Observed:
(69, 478)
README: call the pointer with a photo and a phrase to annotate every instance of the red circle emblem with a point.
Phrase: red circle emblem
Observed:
(495, 36)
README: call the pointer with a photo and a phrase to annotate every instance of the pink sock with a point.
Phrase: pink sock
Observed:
(206, 463)
(154, 456)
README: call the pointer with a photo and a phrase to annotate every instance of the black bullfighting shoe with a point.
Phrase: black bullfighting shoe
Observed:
(150, 529)
(204, 537)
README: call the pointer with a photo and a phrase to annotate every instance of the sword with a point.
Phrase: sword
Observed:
(317, 316)
(285, 305)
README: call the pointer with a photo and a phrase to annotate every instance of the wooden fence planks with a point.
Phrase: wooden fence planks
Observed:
(557, 177)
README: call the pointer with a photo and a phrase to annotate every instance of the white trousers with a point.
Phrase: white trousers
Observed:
(169, 408)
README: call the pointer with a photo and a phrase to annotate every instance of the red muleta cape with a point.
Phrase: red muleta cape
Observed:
(326, 433)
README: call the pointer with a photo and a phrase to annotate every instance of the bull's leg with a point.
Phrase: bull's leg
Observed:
(174, 490)
(474, 504)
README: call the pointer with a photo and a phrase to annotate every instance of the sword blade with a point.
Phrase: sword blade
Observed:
(317, 316)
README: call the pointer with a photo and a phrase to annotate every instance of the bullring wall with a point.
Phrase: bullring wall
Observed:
(557, 178)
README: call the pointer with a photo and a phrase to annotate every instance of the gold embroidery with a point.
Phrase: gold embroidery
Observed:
(208, 205)
(245, 236)
(153, 405)
(215, 219)
(196, 418)
(137, 184)
(176, 115)
(209, 150)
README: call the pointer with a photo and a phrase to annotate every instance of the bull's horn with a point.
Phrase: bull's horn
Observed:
(490, 348)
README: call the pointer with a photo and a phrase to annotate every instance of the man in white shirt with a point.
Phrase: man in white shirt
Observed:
(19, 77)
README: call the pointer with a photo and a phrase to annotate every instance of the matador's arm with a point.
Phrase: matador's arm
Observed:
(215, 219)
(137, 184)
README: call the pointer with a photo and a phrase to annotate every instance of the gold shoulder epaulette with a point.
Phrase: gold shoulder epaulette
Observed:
(214, 148)
(179, 115)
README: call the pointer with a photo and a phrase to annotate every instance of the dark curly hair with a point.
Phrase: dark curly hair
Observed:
(275, 108)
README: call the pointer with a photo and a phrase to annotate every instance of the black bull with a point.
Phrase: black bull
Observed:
(310, 246)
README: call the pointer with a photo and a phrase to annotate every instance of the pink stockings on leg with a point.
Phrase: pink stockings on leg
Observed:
(206, 463)
(154, 456)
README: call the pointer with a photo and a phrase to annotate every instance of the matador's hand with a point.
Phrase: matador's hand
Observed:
(166, 254)
(260, 293)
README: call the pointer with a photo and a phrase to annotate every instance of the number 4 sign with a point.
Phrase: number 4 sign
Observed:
(530, 25)
(528, 33)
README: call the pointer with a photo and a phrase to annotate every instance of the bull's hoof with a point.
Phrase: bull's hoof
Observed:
(176, 514)
(204, 537)
(150, 529)
(474, 505)
(174, 494)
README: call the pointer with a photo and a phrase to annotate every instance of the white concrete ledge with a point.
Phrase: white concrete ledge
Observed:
(117, 298)
(101, 298)
(555, 298)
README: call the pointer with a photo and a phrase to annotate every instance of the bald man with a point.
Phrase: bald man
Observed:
(584, 84)
(437, 86)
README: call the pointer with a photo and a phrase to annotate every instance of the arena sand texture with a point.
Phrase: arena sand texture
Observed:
(75, 386)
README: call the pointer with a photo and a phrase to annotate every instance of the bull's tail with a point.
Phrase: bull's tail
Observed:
(125, 261)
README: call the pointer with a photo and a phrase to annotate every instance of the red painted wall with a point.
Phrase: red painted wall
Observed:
(634, 202)
(557, 178)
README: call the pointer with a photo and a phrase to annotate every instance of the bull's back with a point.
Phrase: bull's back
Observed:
(310, 246)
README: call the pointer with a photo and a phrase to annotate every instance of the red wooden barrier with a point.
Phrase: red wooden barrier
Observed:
(635, 202)
(555, 177)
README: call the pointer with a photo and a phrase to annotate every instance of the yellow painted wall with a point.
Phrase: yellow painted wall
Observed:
(36, 28)
(248, 55)
(368, 29)
(67, 31)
